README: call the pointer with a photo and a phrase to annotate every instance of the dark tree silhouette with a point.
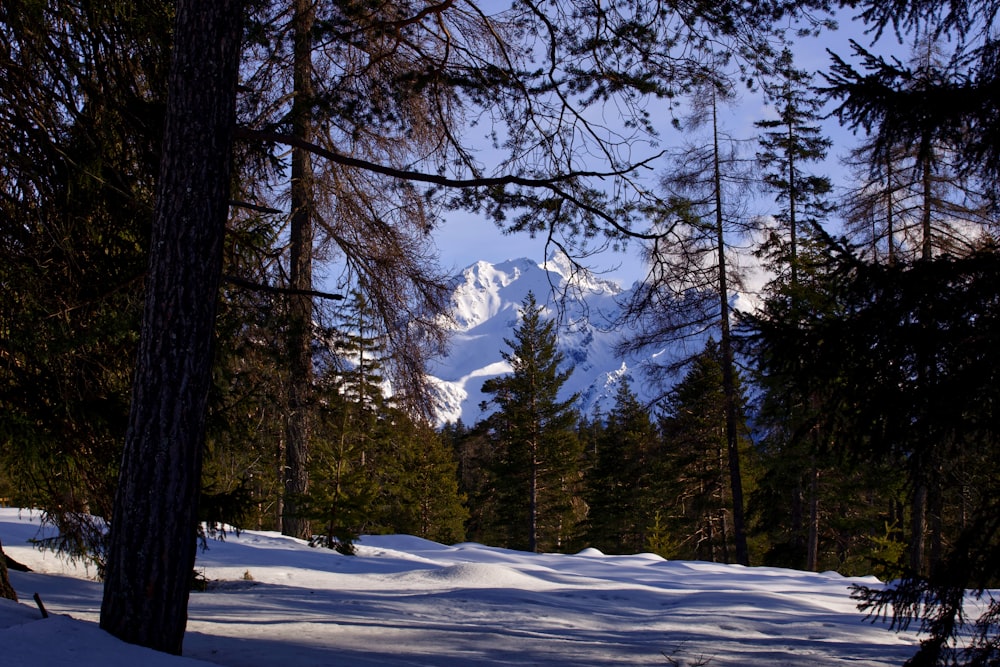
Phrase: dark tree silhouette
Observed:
(152, 540)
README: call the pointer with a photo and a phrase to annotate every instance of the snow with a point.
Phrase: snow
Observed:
(485, 305)
(486, 300)
(402, 600)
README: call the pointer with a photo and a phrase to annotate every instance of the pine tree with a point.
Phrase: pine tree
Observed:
(622, 485)
(476, 461)
(419, 483)
(689, 287)
(788, 144)
(538, 454)
(75, 195)
(374, 468)
(698, 512)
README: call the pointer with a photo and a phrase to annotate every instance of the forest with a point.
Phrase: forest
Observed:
(219, 288)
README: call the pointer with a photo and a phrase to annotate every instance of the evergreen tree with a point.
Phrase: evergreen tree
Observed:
(76, 187)
(789, 143)
(538, 455)
(863, 364)
(476, 460)
(688, 289)
(245, 410)
(622, 484)
(697, 510)
(374, 468)
(419, 483)
(913, 200)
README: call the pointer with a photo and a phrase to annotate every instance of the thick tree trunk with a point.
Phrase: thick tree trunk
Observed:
(152, 539)
(300, 313)
(6, 590)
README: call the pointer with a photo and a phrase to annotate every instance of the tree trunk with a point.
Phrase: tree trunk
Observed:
(533, 500)
(300, 312)
(6, 590)
(152, 538)
(918, 526)
(812, 545)
(729, 388)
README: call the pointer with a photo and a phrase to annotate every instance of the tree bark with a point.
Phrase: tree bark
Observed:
(6, 590)
(729, 388)
(152, 536)
(300, 311)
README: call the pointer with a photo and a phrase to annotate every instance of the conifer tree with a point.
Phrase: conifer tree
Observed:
(76, 188)
(476, 459)
(623, 484)
(418, 483)
(538, 458)
(698, 512)
(374, 468)
(788, 145)
(689, 286)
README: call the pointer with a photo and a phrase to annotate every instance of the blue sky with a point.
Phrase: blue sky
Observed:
(465, 238)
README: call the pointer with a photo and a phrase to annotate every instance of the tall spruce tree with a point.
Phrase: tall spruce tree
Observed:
(788, 145)
(538, 454)
(959, 110)
(623, 482)
(698, 511)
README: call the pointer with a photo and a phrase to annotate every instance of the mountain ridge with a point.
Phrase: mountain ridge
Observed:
(486, 300)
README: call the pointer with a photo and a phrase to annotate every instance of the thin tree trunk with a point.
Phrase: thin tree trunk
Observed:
(890, 213)
(533, 501)
(927, 242)
(812, 546)
(153, 529)
(298, 419)
(918, 526)
(728, 374)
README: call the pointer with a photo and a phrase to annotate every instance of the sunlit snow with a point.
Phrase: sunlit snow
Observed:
(275, 601)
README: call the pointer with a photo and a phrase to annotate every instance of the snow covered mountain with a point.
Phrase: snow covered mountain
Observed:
(486, 300)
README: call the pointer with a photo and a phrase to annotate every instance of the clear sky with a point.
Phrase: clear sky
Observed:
(465, 238)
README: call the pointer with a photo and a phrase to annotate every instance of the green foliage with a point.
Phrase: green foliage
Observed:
(75, 197)
(373, 468)
(901, 376)
(536, 465)
(697, 501)
(624, 483)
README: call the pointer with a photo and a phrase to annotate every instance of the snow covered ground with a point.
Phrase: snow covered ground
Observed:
(276, 602)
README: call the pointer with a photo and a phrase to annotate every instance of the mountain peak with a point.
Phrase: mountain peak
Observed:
(486, 300)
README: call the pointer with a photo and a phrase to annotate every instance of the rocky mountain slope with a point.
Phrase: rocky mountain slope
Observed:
(486, 300)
